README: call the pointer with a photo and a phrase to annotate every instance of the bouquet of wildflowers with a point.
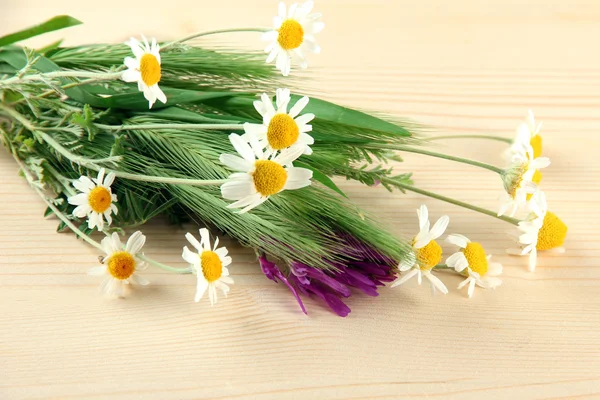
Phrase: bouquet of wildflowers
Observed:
(112, 135)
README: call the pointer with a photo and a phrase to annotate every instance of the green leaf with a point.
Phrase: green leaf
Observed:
(323, 110)
(53, 24)
(182, 115)
(321, 177)
(135, 100)
(52, 46)
(48, 212)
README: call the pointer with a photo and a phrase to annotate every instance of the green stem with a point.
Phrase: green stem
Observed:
(62, 74)
(64, 87)
(163, 266)
(169, 126)
(489, 137)
(161, 179)
(451, 158)
(215, 32)
(491, 213)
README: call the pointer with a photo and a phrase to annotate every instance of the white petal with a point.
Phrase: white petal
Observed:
(533, 259)
(78, 199)
(436, 282)
(540, 162)
(189, 256)
(242, 147)
(290, 154)
(201, 287)
(84, 184)
(439, 228)
(282, 100)
(252, 205)
(131, 75)
(236, 163)
(298, 107)
(159, 94)
(245, 201)
(404, 278)
(458, 261)
(458, 240)
(205, 239)
(471, 288)
(237, 189)
(135, 243)
(222, 252)
(139, 280)
(423, 215)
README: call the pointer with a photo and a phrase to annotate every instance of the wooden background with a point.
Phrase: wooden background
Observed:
(469, 66)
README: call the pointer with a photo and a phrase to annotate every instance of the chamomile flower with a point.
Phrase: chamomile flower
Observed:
(209, 265)
(521, 179)
(426, 252)
(281, 129)
(542, 231)
(145, 69)
(96, 200)
(258, 177)
(293, 32)
(472, 262)
(528, 133)
(120, 264)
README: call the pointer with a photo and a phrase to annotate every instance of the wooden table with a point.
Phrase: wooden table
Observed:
(460, 67)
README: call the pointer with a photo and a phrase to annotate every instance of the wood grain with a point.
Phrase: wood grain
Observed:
(466, 66)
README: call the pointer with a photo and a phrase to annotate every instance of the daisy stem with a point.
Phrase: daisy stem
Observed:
(489, 137)
(62, 74)
(451, 158)
(163, 266)
(215, 32)
(491, 213)
(161, 179)
(171, 126)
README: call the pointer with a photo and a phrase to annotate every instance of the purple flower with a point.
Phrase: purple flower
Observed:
(362, 268)
(273, 273)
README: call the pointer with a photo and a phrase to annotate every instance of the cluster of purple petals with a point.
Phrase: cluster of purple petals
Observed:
(365, 270)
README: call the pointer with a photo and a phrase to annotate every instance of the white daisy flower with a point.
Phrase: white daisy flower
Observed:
(210, 266)
(426, 252)
(472, 262)
(293, 32)
(521, 179)
(120, 264)
(280, 129)
(542, 231)
(96, 200)
(145, 69)
(259, 177)
(528, 133)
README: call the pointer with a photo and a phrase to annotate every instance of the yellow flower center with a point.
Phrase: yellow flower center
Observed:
(121, 265)
(291, 34)
(429, 256)
(150, 69)
(269, 177)
(475, 255)
(283, 131)
(537, 178)
(536, 144)
(552, 234)
(212, 267)
(99, 199)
